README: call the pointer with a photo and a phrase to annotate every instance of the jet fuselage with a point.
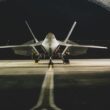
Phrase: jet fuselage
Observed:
(50, 43)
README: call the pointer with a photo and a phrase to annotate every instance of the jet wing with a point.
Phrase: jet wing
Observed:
(23, 45)
(87, 46)
(20, 49)
(74, 44)
(82, 49)
(24, 49)
(14, 46)
(77, 49)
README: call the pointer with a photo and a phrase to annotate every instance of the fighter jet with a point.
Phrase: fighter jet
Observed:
(51, 47)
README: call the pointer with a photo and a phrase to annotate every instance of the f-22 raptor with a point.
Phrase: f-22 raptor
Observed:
(51, 46)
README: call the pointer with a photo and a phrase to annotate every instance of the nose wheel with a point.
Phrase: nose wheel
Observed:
(50, 62)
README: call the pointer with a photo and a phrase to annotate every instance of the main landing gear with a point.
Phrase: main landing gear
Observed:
(36, 59)
(66, 61)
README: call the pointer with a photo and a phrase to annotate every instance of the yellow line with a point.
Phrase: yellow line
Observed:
(47, 89)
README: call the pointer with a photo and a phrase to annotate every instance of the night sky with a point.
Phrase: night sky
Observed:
(57, 16)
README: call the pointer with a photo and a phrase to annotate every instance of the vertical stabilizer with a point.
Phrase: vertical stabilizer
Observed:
(31, 31)
(70, 32)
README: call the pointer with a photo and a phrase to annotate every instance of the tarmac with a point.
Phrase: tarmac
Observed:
(82, 84)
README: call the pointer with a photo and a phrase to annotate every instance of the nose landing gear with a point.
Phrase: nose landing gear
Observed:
(50, 62)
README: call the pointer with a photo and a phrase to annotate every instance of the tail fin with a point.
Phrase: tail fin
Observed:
(31, 31)
(70, 32)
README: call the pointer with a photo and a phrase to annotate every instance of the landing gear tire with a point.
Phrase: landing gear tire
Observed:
(66, 61)
(36, 61)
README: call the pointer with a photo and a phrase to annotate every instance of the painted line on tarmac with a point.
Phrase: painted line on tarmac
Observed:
(46, 98)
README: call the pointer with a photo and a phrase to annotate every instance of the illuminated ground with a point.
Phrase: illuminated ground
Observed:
(82, 84)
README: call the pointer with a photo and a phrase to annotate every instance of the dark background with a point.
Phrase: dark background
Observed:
(57, 16)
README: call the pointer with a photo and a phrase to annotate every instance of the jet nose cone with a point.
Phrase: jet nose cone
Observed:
(50, 35)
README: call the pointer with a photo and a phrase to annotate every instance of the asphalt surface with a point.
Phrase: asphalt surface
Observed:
(82, 84)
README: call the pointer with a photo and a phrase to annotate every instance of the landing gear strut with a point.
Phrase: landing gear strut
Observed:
(50, 62)
(36, 60)
(66, 61)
